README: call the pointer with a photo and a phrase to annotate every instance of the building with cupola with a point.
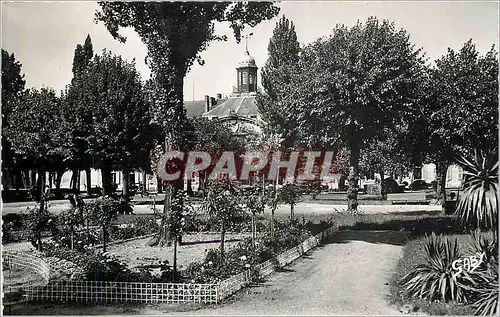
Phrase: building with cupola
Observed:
(239, 108)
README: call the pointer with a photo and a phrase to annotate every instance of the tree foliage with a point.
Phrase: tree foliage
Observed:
(12, 88)
(352, 85)
(37, 131)
(461, 108)
(120, 136)
(464, 102)
(175, 33)
(283, 50)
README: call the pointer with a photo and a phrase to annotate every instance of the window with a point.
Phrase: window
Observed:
(239, 78)
(250, 79)
(245, 78)
(113, 177)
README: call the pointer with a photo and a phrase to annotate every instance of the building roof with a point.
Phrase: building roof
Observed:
(240, 106)
(247, 61)
(196, 108)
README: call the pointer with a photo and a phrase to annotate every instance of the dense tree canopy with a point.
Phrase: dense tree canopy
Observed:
(12, 87)
(461, 108)
(175, 33)
(120, 137)
(352, 85)
(283, 50)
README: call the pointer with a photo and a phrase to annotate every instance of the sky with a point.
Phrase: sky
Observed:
(43, 36)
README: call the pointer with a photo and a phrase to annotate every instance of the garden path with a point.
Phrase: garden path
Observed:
(347, 276)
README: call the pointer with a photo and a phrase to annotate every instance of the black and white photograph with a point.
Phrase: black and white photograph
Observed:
(289, 158)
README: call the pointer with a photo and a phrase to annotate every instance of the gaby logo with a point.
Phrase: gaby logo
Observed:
(468, 264)
(301, 165)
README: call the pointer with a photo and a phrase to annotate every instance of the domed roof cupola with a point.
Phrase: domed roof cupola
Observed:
(247, 61)
(246, 75)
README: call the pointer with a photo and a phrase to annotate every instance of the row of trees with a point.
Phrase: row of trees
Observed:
(369, 92)
(102, 120)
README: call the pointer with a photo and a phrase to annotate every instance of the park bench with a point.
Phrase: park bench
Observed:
(407, 198)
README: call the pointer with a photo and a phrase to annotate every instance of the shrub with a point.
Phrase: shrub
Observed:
(435, 279)
(483, 286)
(477, 206)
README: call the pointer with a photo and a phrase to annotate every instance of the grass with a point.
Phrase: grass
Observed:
(413, 255)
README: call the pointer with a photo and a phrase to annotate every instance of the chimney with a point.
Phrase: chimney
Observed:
(213, 102)
(219, 96)
(207, 103)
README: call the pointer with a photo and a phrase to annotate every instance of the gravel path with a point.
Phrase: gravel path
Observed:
(345, 277)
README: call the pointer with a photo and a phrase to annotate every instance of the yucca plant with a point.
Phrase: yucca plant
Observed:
(482, 286)
(435, 279)
(477, 206)
(486, 243)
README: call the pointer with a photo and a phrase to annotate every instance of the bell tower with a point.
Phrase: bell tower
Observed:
(246, 73)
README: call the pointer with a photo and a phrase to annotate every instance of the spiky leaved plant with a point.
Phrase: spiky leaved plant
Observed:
(477, 206)
(435, 279)
(482, 288)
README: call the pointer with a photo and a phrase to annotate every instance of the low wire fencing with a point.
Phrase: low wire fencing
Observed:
(104, 292)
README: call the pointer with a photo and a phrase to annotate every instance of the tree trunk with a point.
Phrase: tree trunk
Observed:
(202, 183)
(59, 175)
(144, 182)
(272, 224)
(88, 180)
(74, 180)
(125, 183)
(352, 191)
(26, 178)
(175, 262)
(78, 181)
(106, 179)
(189, 187)
(33, 179)
(383, 192)
(291, 212)
(51, 178)
(19, 179)
(162, 238)
(222, 241)
(253, 229)
(441, 169)
(72, 238)
(159, 185)
(41, 182)
(103, 237)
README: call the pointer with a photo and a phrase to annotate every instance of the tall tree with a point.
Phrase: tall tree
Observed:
(175, 33)
(39, 133)
(462, 107)
(12, 87)
(283, 50)
(352, 85)
(120, 116)
(79, 114)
